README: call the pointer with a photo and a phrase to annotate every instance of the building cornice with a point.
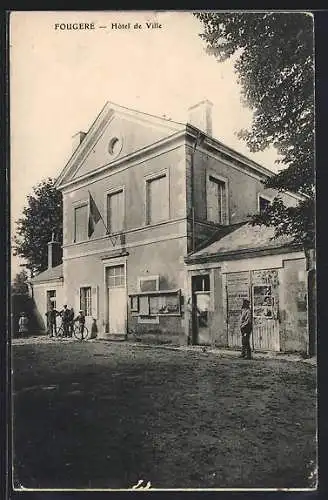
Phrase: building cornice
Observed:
(42, 282)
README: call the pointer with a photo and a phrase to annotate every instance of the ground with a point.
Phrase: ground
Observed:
(105, 415)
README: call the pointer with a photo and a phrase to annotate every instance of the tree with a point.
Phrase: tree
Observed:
(274, 62)
(42, 216)
(19, 284)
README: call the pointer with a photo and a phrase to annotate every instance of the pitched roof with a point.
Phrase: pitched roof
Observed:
(100, 123)
(54, 273)
(242, 238)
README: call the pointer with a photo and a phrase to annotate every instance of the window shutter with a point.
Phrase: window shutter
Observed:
(224, 204)
(94, 301)
(211, 201)
(76, 301)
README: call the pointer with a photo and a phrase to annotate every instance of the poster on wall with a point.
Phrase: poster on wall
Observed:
(263, 301)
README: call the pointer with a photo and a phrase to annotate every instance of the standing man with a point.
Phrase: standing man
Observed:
(80, 318)
(51, 320)
(65, 314)
(71, 322)
(245, 329)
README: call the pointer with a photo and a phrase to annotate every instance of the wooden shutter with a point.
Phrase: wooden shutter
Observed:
(224, 216)
(94, 301)
(76, 304)
(212, 201)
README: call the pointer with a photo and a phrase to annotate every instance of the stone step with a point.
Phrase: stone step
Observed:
(118, 337)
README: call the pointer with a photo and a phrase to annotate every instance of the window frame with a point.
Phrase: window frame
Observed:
(48, 298)
(223, 180)
(107, 194)
(86, 287)
(264, 197)
(77, 205)
(147, 180)
(123, 285)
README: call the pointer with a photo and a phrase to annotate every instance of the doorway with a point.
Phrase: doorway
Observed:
(200, 309)
(116, 300)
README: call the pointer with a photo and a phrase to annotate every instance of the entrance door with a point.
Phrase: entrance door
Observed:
(117, 300)
(238, 289)
(200, 310)
(265, 317)
(117, 310)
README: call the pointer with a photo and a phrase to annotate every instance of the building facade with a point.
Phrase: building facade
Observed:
(148, 207)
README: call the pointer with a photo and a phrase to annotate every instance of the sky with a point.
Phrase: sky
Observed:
(61, 79)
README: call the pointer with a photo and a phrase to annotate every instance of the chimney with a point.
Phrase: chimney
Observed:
(200, 116)
(54, 252)
(77, 139)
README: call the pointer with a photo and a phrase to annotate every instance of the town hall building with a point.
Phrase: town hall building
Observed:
(157, 241)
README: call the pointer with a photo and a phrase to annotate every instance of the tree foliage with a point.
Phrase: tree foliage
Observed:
(42, 216)
(19, 284)
(274, 62)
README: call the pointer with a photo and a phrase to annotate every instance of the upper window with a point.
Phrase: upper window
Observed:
(85, 300)
(81, 223)
(115, 211)
(157, 199)
(216, 201)
(263, 204)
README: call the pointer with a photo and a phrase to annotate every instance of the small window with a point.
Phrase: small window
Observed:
(157, 199)
(216, 201)
(201, 283)
(115, 211)
(114, 146)
(115, 276)
(81, 223)
(85, 300)
(51, 298)
(263, 204)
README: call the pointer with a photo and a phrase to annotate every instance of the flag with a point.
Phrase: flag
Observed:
(94, 215)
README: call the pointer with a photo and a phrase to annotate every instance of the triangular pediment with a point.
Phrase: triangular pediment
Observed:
(117, 133)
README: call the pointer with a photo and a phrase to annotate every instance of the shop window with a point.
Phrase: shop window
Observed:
(81, 223)
(151, 305)
(86, 301)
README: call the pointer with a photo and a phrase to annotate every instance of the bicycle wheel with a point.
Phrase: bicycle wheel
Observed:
(81, 332)
(60, 333)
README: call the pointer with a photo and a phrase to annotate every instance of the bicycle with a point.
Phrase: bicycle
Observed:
(59, 335)
(80, 332)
